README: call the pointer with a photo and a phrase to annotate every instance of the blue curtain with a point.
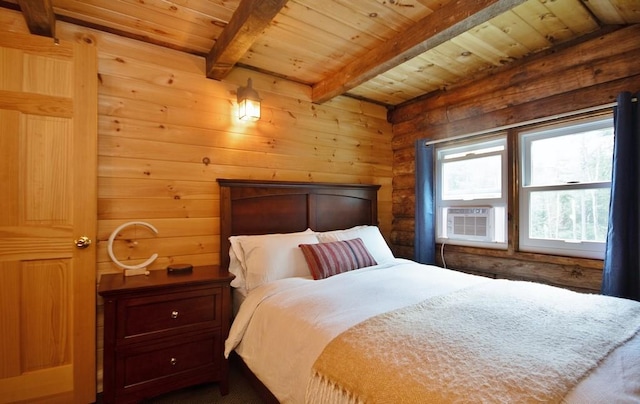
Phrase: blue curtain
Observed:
(425, 237)
(621, 275)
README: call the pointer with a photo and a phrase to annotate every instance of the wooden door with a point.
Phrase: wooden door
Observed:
(48, 138)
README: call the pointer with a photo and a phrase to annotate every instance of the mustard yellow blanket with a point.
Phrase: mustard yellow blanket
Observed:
(500, 341)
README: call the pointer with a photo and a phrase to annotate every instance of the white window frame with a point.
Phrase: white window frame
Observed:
(584, 249)
(499, 205)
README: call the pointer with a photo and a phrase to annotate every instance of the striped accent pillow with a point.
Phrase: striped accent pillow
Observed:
(328, 259)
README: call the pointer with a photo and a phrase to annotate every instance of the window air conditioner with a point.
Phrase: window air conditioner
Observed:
(470, 223)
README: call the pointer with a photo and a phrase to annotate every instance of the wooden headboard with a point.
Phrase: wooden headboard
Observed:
(261, 207)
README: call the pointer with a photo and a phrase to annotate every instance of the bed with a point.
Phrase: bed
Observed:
(325, 313)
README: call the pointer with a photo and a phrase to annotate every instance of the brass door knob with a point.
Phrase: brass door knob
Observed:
(83, 242)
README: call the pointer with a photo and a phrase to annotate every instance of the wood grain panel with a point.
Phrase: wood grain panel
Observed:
(42, 46)
(44, 75)
(131, 148)
(136, 168)
(84, 183)
(10, 365)
(159, 188)
(46, 314)
(615, 11)
(11, 77)
(25, 247)
(120, 50)
(45, 153)
(132, 208)
(172, 227)
(36, 104)
(571, 12)
(48, 381)
(134, 249)
(540, 17)
(9, 167)
(574, 274)
(222, 114)
(522, 34)
(13, 22)
(156, 25)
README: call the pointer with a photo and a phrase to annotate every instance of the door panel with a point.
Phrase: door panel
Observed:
(45, 319)
(45, 159)
(48, 133)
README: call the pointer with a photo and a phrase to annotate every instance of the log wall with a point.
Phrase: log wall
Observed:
(573, 78)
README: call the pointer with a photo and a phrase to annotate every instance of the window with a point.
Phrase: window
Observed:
(565, 187)
(472, 193)
(562, 188)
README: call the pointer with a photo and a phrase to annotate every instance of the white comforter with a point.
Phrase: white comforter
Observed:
(283, 326)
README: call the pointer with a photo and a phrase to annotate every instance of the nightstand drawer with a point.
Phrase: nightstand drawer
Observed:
(163, 332)
(150, 363)
(154, 314)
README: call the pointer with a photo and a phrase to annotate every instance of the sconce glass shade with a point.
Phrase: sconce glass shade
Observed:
(248, 103)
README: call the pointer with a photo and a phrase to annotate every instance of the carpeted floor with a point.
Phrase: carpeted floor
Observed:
(240, 392)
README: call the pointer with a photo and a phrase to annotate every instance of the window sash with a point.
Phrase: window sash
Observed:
(560, 246)
(497, 146)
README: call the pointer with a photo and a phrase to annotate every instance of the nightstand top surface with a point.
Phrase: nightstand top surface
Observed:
(118, 283)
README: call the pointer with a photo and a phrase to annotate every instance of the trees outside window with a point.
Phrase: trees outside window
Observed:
(565, 187)
(562, 188)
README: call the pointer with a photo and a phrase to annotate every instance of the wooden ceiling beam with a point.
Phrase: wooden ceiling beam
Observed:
(39, 16)
(447, 22)
(246, 24)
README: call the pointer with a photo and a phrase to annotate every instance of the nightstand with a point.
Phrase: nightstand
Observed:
(164, 331)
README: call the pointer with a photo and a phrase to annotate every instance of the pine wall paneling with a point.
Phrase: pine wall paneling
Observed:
(588, 75)
(166, 133)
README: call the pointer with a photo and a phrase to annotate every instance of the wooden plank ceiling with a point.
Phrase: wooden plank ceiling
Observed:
(385, 51)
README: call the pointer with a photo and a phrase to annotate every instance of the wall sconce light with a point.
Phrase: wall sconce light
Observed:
(248, 103)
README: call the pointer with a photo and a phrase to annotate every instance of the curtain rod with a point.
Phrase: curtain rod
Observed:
(530, 122)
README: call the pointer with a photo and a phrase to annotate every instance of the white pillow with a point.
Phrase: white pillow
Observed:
(236, 245)
(236, 268)
(370, 235)
(273, 256)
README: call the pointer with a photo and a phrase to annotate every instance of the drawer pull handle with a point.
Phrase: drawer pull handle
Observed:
(174, 314)
(173, 361)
